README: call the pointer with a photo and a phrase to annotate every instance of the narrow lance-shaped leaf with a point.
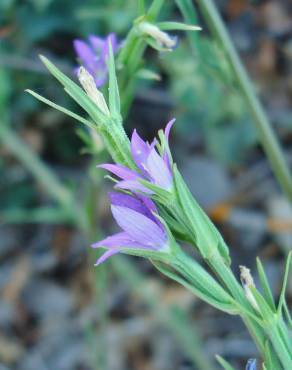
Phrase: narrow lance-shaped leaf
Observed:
(164, 269)
(265, 285)
(285, 281)
(287, 314)
(114, 96)
(177, 26)
(60, 108)
(141, 7)
(207, 237)
(155, 8)
(263, 307)
(76, 92)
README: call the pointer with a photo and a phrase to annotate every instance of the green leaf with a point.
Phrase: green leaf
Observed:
(265, 310)
(224, 363)
(285, 280)
(265, 285)
(207, 238)
(141, 7)
(114, 96)
(177, 26)
(60, 108)
(154, 9)
(287, 314)
(76, 92)
(197, 291)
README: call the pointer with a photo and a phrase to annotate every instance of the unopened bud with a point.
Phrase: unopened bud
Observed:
(161, 37)
(248, 283)
(88, 84)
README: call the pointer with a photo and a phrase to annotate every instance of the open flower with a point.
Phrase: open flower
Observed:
(93, 55)
(152, 166)
(142, 231)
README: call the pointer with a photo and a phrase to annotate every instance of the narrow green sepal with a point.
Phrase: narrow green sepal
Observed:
(176, 228)
(174, 247)
(160, 194)
(162, 256)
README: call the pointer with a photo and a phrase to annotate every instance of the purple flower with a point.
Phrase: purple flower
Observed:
(141, 229)
(251, 364)
(93, 55)
(152, 166)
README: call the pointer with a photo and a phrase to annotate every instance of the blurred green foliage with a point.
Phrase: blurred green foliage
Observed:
(207, 102)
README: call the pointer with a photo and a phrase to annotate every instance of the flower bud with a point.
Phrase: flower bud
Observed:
(88, 84)
(248, 283)
(162, 38)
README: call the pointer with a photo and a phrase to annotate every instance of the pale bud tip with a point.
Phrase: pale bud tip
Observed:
(248, 283)
(87, 82)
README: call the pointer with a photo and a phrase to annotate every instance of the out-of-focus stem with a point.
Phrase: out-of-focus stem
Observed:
(31, 161)
(266, 134)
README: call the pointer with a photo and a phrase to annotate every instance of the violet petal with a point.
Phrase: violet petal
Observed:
(106, 255)
(118, 240)
(139, 204)
(133, 185)
(96, 42)
(140, 150)
(158, 170)
(167, 129)
(139, 227)
(120, 171)
(86, 55)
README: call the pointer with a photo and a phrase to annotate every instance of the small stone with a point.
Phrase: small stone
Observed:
(47, 300)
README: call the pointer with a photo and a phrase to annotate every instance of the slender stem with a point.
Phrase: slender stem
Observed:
(46, 177)
(228, 279)
(274, 332)
(266, 134)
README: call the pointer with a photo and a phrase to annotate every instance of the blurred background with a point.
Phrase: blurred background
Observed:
(58, 312)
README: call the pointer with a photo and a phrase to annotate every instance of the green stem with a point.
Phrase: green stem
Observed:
(35, 165)
(277, 334)
(279, 347)
(226, 276)
(266, 134)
